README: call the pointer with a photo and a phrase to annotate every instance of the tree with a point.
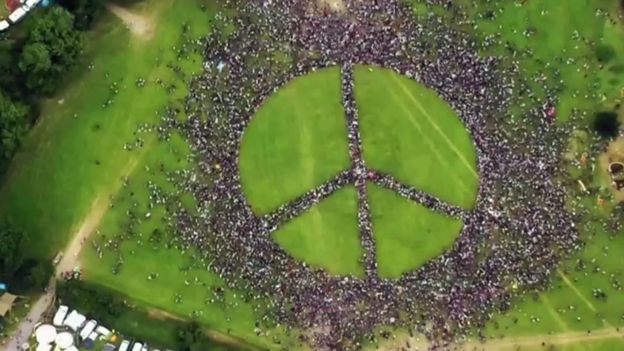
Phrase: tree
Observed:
(33, 275)
(606, 123)
(52, 46)
(191, 338)
(14, 124)
(85, 11)
(605, 53)
(12, 250)
(35, 59)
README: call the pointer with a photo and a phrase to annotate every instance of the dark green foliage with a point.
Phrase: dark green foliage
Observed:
(34, 61)
(52, 46)
(94, 300)
(191, 338)
(84, 11)
(13, 244)
(606, 124)
(110, 309)
(32, 276)
(14, 124)
(605, 53)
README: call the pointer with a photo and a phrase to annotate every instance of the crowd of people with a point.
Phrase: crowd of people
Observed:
(514, 237)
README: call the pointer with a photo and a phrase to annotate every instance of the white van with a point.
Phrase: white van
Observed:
(105, 332)
(124, 345)
(17, 15)
(60, 315)
(137, 346)
(88, 329)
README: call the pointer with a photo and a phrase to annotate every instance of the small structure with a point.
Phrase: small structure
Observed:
(44, 347)
(45, 334)
(616, 170)
(64, 340)
(75, 320)
(6, 303)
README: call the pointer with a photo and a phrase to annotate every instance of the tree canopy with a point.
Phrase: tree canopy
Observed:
(607, 124)
(51, 47)
(85, 11)
(12, 250)
(14, 124)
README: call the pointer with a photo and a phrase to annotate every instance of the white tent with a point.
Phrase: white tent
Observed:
(44, 347)
(64, 340)
(75, 320)
(45, 334)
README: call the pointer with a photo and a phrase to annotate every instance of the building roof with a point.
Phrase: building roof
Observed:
(6, 303)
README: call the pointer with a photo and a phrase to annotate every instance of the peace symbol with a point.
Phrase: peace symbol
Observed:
(358, 174)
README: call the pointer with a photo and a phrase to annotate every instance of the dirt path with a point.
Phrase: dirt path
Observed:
(140, 26)
(561, 339)
(217, 336)
(511, 343)
(70, 260)
(27, 325)
(71, 254)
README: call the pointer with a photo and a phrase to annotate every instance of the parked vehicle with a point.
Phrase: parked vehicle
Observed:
(60, 315)
(124, 346)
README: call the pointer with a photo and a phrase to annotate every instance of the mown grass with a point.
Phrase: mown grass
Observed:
(327, 235)
(407, 234)
(296, 141)
(410, 132)
(562, 47)
(76, 152)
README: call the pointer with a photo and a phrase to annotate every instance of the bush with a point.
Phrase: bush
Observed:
(191, 338)
(33, 276)
(13, 243)
(97, 301)
(85, 11)
(605, 53)
(606, 124)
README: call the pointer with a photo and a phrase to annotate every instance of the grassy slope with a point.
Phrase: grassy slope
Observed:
(562, 47)
(327, 236)
(55, 177)
(407, 234)
(408, 131)
(569, 305)
(295, 142)
(179, 273)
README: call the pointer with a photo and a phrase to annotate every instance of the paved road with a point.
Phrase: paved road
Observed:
(27, 325)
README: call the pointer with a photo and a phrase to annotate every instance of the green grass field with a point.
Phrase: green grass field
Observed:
(327, 235)
(55, 177)
(411, 133)
(407, 234)
(75, 155)
(296, 141)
